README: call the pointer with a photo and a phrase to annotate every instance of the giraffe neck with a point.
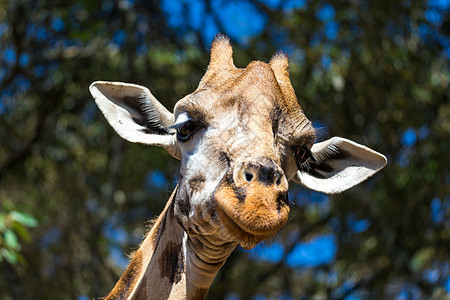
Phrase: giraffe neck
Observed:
(170, 264)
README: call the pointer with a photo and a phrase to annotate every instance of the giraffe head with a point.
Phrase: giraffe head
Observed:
(241, 136)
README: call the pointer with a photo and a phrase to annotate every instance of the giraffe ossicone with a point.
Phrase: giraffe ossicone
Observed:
(241, 137)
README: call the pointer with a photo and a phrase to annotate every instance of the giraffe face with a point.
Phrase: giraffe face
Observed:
(241, 136)
(237, 138)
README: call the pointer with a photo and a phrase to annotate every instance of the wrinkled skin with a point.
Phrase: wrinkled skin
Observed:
(241, 136)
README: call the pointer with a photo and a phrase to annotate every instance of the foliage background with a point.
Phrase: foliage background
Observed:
(74, 197)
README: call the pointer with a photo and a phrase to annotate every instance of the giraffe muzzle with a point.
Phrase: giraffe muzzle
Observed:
(252, 201)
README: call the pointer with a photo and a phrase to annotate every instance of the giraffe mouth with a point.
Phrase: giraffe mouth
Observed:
(252, 214)
(246, 239)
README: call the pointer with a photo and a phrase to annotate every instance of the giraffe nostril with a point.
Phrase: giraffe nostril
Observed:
(265, 172)
(278, 181)
(248, 176)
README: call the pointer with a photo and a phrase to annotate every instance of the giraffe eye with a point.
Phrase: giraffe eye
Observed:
(185, 131)
(302, 156)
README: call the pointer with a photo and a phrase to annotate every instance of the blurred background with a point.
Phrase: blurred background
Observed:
(75, 198)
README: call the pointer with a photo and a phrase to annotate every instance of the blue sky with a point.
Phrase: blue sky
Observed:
(242, 21)
(317, 251)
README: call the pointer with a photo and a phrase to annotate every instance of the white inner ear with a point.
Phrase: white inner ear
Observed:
(341, 164)
(135, 114)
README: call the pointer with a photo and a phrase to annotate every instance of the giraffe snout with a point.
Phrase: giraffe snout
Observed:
(252, 200)
(262, 171)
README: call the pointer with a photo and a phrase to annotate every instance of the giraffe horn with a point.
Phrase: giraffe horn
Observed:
(280, 66)
(221, 53)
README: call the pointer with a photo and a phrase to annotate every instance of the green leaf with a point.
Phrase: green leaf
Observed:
(9, 256)
(11, 240)
(421, 257)
(25, 219)
(21, 231)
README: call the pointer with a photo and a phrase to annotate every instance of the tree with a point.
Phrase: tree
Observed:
(373, 71)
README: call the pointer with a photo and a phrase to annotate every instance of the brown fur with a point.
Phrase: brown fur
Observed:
(172, 262)
(124, 286)
(252, 212)
(132, 277)
(200, 294)
(262, 102)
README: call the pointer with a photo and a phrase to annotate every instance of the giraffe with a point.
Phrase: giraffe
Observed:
(240, 137)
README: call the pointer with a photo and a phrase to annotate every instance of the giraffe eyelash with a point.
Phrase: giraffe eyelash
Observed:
(186, 130)
(303, 158)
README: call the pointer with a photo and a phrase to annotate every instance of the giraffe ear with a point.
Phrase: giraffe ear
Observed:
(338, 165)
(135, 114)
